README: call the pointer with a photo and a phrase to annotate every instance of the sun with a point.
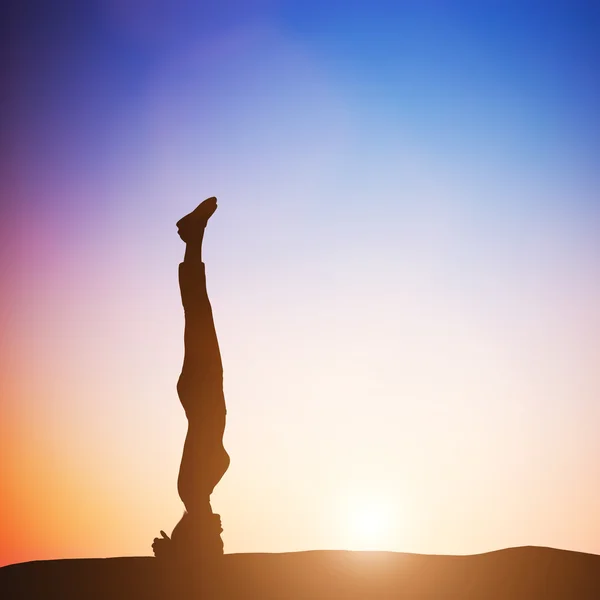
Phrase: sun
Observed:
(368, 523)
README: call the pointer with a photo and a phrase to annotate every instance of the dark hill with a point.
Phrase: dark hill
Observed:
(527, 573)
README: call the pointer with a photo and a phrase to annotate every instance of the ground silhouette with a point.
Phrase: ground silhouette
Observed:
(527, 573)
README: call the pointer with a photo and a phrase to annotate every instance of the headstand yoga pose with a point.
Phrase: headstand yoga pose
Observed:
(196, 538)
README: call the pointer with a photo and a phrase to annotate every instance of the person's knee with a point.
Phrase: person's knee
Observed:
(226, 460)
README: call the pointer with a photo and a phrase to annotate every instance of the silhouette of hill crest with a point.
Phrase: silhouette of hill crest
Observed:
(514, 573)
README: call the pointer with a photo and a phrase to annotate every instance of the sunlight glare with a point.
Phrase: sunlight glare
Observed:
(369, 523)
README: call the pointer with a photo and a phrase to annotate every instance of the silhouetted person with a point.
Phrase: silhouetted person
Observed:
(196, 539)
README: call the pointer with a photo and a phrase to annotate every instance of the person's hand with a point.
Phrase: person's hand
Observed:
(160, 546)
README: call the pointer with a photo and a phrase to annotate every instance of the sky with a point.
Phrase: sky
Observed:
(403, 270)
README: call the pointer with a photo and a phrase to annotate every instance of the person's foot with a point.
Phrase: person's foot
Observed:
(192, 225)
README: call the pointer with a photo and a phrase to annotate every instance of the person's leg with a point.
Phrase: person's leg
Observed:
(200, 386)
